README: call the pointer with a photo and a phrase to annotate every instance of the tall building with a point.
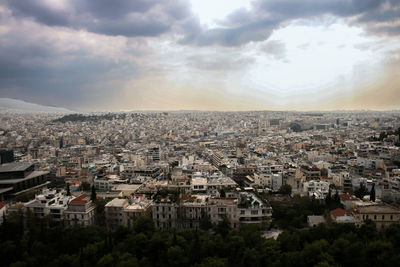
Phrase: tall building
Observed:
(6, 156)
(20, 177)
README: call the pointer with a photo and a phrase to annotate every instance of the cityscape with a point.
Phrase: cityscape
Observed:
(199, 133)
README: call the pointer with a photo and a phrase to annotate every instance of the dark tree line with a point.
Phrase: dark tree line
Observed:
(82, 117)
(293, 213)
(336, 245)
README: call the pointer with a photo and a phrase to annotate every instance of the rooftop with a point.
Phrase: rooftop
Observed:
(315, 219)
(82, 199)
(14, 167)
(117, 202)
(3, 203)
(383, 209)
(339, 213)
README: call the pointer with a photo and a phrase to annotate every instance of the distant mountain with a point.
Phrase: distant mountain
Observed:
(20, 106)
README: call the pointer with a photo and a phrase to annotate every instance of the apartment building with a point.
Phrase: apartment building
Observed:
(382, 215)
(114, 212)
(81, 210)
(50, 203)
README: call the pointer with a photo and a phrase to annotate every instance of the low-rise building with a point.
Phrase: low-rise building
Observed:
(314, 220)
(114, 212)
(50, 203)
(139, 207)
(382, 215)
(347, 200)
(81, 210)
(317, 189)
(3, 210)
(342, 216)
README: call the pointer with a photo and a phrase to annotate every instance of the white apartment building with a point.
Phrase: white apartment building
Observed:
(50, 203)
(81, 210)
(318, 189)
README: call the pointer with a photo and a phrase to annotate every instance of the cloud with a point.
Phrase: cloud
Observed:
(55, 66)
(41, 11)
(120, 17)
(219, 62)
(275, 48)
(258, 23)
(86, 53)
(152, 18)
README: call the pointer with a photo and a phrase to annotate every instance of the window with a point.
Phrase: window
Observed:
(391, 217)
(383, 217)
(374, 217)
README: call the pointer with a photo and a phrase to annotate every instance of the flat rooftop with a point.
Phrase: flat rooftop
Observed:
(30, 176)
(117, 202)
(383, 209)
(14, 167)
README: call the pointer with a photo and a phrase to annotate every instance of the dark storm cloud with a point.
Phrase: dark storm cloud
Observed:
(153, 18)
(118, 17)
(38, 10)
(34, 67)
(112, 9)
(235, 36)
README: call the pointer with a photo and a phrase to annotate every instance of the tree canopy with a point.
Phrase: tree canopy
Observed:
(334, 245)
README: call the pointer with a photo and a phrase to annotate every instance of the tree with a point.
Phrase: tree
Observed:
(295, 127)
(222, 193)
(93, 195)
(372, 193)
(336, 197)
(144, 224)
(205, 222)
(68, 190)
(285, 189)
(85, 186)
(382, 136)
(223, 227)
(361, 192)
(328, 198)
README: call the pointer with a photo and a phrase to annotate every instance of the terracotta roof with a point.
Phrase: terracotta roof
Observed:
(339, 213)
(186, 197)
(81, 200)
(18, 205)
(347, 197)
(3, 203)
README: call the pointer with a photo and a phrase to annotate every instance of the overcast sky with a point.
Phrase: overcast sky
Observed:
(96, 55)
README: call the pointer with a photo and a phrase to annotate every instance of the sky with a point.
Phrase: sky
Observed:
(120, 55)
